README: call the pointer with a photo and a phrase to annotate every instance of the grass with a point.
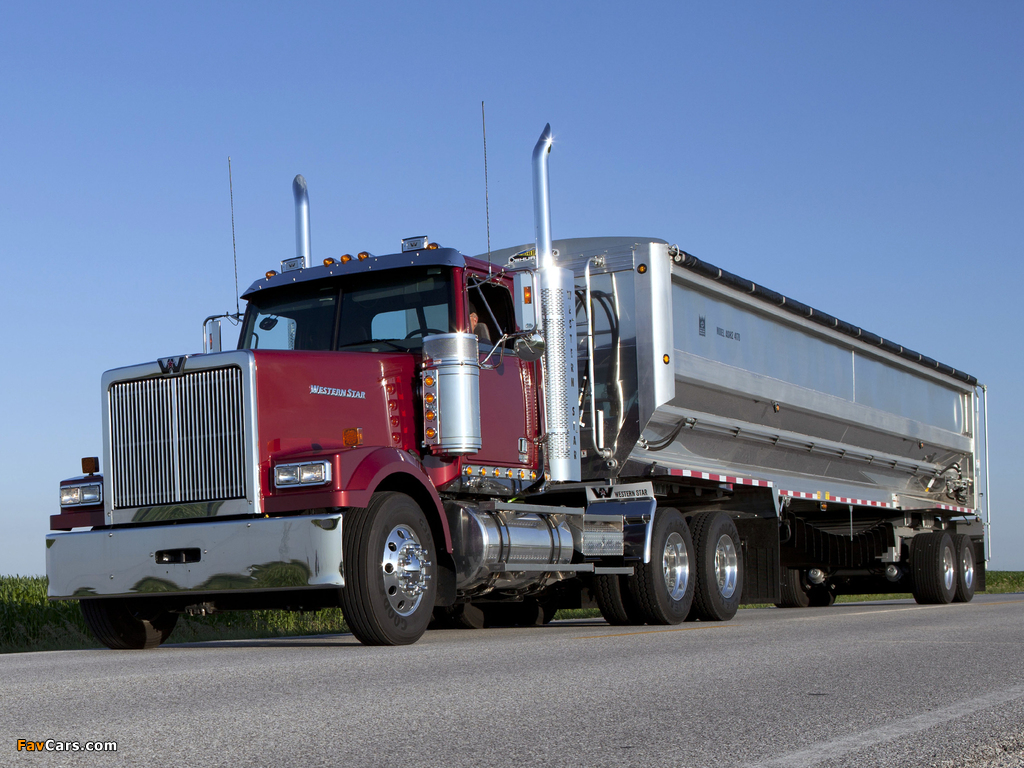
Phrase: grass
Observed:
(29, 622)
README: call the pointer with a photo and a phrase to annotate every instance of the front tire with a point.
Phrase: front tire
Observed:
(719, 567)
(933, 561)
(390, 582)
(126, 624)
(663, 588)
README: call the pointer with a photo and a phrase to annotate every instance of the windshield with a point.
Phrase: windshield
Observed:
(374, 311)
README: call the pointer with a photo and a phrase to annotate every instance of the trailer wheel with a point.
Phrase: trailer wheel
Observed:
(793, 592)
(615, 601)
(663, 588)
(821, 596)
(389, 590)
(964, 548)
(125, 624)
(934, 564)
(719, 567)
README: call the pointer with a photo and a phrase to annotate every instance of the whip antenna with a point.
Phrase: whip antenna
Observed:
(234, 249)
(487, 199)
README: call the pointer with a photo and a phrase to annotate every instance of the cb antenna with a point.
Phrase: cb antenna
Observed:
(487, 198)
(234, 249)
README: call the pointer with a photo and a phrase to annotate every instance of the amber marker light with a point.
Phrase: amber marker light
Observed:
(527, 295)
(362, 255)
(430, 415)
(432, 246)
(431, 433)
(346, 258)
(642, 269)
(469, 470)
(270, 273)
(429, 381)
(665, 359)
(352, 437)
(329, 261)
(428, 398)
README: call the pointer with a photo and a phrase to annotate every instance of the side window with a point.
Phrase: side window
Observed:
(490, 308)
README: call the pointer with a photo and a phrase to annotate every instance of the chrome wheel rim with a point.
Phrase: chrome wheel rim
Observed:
(968, 566)
(404, 566)
(948, 568)
(727, 566)
(675, 561)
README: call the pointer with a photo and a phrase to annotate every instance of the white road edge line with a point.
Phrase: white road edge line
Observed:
(805, 758)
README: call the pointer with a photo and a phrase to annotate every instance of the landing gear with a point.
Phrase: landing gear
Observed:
(965, 568)
(389, 557)
(126, 624)
(933, 562)
(719, 567)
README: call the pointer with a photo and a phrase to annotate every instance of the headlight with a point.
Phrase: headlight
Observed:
(81, 495)
(307, 473)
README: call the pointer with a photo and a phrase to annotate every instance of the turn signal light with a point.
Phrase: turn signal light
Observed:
(527, 295)
(352, 437)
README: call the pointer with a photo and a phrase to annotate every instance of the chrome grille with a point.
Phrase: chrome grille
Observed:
(178, 439)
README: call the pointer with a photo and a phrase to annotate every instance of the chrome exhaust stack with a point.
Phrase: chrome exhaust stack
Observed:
(302, 239)
(558, 325)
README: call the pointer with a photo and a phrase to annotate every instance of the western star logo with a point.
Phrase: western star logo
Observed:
(316, 389)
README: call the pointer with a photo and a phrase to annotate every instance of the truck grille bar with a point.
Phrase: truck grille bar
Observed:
(176, 440)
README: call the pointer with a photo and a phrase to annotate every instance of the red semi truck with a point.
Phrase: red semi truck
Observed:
(610, 422)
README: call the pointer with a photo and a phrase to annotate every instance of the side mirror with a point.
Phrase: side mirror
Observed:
(211, 335)
(530, 347)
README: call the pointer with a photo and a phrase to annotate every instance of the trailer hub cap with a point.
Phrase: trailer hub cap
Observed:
(968, 567)
(676, 564)
(948, 568)
(404, 566)
(726, 566)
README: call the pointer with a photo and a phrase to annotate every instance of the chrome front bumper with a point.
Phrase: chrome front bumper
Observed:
(261, 554)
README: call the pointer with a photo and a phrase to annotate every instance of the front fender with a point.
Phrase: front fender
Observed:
(358, 474)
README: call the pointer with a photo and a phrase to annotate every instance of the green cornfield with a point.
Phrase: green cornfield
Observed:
(29, 622)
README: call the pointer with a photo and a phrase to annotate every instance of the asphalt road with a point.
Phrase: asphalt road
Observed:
(871, 684)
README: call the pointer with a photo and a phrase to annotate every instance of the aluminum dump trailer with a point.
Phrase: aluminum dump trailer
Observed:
(701, 375)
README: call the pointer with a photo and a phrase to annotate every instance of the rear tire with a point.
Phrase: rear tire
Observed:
(933, 562)
(390, 582)
(964, 548)
(615, 601)
(793, 592)
(663, 588)
(126, 624)
(719, 567)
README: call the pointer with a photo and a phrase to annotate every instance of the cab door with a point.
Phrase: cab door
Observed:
(508, 386)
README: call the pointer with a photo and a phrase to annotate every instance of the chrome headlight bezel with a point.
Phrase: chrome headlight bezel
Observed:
(302, 474)
(84, 494)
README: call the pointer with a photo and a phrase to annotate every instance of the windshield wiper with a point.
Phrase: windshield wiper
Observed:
(393, 345)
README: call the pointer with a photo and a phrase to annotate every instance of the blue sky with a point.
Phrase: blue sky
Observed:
(863, 158)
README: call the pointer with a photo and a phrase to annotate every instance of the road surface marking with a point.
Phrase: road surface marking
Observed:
(836, 748)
